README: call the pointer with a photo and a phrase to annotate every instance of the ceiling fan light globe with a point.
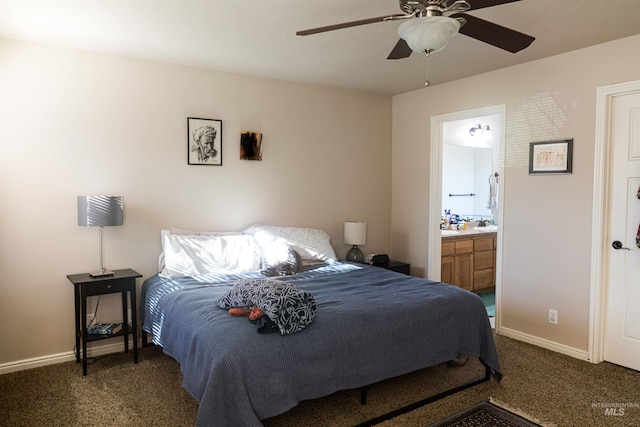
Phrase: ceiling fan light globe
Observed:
(428, 34)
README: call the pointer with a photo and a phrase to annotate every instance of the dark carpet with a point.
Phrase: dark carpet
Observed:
(549, 386)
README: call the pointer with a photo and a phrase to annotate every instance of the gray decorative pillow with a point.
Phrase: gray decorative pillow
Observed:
(289, 307)
(273, 266)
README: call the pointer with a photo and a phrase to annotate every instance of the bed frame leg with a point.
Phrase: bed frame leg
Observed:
(419, 404)
(363, 395)
(145, 339)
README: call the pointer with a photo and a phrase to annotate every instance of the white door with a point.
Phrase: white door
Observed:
(622, 321)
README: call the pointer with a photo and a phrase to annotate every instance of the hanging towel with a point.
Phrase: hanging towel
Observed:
(490, 192)
(493, 191)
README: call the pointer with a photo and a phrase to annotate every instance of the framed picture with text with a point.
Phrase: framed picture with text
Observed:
(551, 157)
(204, 141)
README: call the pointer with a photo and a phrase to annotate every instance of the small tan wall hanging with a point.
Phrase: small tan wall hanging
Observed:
(250, 146)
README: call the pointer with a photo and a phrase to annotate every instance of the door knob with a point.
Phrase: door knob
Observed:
(618, 245)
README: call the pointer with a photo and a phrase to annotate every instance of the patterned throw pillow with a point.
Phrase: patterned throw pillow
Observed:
(289, 307)
(241, 295)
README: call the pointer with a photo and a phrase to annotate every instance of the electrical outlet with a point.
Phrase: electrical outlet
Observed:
(553, 316)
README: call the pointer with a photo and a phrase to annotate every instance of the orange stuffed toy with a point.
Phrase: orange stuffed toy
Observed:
(254, 313)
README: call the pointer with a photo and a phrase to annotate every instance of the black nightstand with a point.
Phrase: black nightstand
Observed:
(400, 267)
(85, 285)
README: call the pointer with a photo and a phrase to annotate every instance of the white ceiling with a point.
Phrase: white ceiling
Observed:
(257, 37)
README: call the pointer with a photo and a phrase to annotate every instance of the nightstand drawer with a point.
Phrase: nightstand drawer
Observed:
(108, 287)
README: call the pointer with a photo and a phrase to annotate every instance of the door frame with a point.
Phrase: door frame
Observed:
(599, 243)
(435, 190)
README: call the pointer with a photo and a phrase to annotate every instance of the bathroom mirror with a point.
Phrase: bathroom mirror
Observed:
(465, 180)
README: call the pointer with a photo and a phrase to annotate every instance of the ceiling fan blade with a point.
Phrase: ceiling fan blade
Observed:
(493, 34)
(349, 24)
(400, 50)
(479, 4)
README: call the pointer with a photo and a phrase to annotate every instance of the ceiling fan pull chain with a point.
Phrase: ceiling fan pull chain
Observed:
(426, 65)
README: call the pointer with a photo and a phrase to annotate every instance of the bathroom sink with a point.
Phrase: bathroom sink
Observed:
(448, 232)
(487, 229)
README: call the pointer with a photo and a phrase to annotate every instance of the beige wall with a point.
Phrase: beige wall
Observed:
(75, 122)
(547, 219)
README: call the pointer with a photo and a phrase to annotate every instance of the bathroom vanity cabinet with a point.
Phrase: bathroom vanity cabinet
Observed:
(469, 260)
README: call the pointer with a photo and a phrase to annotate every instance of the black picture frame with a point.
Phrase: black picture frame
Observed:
(204, 141)
(551, 157)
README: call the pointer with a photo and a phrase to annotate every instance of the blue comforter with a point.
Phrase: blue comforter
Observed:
(371, 324)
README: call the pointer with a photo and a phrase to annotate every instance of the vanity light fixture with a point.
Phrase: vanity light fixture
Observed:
(479, 130)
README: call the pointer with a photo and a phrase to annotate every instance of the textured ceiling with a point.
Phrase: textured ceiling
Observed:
(257, 37)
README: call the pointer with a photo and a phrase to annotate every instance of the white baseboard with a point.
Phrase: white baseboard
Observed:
(549, 345)
(52, 359)
(95, 351)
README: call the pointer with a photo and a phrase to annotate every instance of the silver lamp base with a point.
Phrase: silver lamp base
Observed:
(355, 255)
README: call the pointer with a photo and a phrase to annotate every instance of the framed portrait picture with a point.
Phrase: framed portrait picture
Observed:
(204, 141)
(551, 157)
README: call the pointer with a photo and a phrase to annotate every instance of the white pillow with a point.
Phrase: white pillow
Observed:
(310, 243)
(193, 255)
(176, 230)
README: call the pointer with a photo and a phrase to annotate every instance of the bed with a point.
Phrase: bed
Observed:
(369, 324)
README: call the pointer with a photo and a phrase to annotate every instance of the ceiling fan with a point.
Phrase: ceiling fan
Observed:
(427, 30)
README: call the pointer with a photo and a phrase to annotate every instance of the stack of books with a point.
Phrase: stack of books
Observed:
(104, 328)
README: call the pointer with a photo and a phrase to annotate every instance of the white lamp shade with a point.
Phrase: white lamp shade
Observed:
(355, 233)
(100, 211)
(429, 33)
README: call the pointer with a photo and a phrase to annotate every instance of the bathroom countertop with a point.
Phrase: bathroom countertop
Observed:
(490, 230)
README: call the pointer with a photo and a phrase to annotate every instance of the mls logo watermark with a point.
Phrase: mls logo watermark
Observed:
(615, 409)
(616, 412)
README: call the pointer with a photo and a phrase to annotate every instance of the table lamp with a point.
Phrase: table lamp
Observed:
(100, 211)
(355, 233)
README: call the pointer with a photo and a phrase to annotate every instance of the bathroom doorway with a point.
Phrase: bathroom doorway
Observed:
(457, 136)
(470, 176)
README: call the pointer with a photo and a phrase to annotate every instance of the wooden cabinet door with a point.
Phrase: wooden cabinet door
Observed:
(447, 269)
(463, 271)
